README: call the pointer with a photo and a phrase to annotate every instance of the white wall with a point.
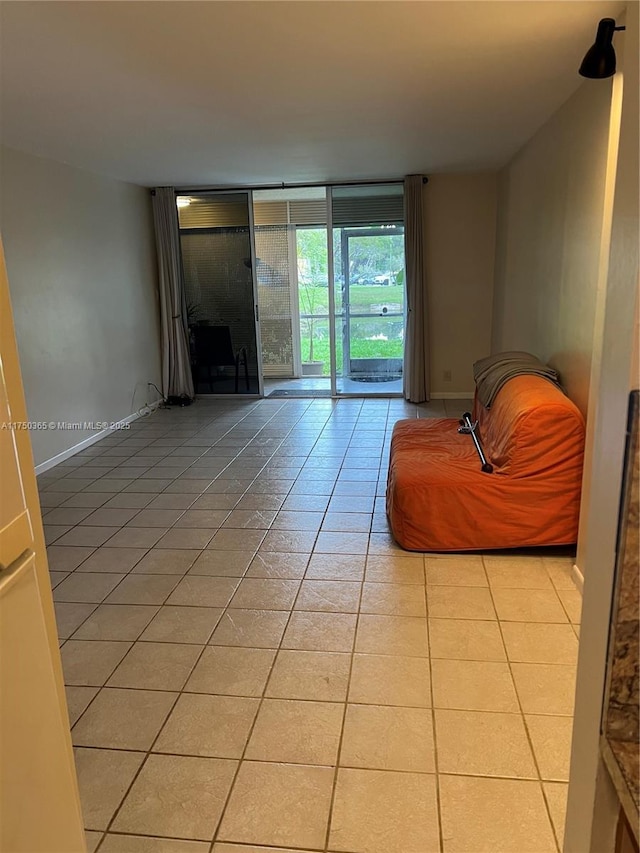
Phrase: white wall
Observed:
(551, 203)
(460, 223)
(591, 809)
(80, 261)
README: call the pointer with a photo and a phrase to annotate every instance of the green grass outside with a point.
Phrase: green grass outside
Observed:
(316, 299)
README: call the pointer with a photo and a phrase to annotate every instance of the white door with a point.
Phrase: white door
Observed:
(39, 804)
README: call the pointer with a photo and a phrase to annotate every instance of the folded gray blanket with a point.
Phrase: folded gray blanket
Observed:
(492, 372)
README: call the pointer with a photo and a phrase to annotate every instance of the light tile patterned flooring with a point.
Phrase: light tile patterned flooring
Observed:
(254, 665)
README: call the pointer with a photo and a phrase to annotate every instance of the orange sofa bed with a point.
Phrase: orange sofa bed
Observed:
(439, 499)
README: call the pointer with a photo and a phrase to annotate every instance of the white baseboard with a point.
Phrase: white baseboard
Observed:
(452, 395)
(92, 439)
(578, 578)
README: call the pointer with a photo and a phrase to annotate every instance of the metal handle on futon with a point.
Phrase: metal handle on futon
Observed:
(467, 427)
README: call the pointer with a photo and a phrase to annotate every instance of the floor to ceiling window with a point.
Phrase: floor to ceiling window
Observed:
(299, 291)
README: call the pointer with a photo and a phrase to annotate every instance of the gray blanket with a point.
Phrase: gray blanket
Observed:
(492, 372)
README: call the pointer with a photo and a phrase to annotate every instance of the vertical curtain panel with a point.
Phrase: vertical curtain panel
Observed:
(416, 384)
(176, 367)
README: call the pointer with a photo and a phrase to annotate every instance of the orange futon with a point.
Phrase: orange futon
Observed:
(438, 499)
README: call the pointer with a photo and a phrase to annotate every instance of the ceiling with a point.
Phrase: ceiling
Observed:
(214, 93)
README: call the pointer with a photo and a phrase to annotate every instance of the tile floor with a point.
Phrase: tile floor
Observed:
(253, 665)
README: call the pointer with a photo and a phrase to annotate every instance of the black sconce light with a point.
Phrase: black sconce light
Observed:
(600, 60)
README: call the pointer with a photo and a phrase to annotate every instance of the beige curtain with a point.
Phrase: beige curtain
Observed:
(416, 345)
(176, 367)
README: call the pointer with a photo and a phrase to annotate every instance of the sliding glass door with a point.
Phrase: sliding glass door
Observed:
(368, 288)
(218, 263)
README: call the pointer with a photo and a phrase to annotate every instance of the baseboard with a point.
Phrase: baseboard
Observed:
(452, 395)
(92, 439)
(578, 578)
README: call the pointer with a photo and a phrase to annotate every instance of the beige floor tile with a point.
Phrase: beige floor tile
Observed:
(273, 565)
(383, 544)
(479, 743)
(556, 795)
(167, 561)
(465, 639)
(289, 541)
(116, 622)
(177, 796)
(65, 515)
(231, 671)
(378, 811)
(88, 587)
(92, 839)
(228, 539)
(123, 719)
(196, 590)
(336, 567)
(559, 570)
(516, 572)
(182, 624)
(393, 599)
(203, 518)
(171, 501)
(322, 676)
(329, 596)
(458, 602)
(111, 517)
(536, 642)
(296, 732)
(140, 844)
(320, 632)
(242, 848)
(551, 739)
(545, 688)
(103, 778)
(259, 629)
(281, 804)
(57, 578)
(528, 605)
(143, 589)
(455, 570)
(293, 520)
(215, 501)
(265, 594)
(494, 816)
(118, 560)
(260, 502)
(156, 666)
(473, 686)
(392, 635)
(380, 737)
(53, 532)
(394, 569)
(342, 543)
(135, 537)
(349, 522)
(78, 698)
(70, 615)
(232, 564)
(91, 662)
(216, 726)
(572, 603)
(66, 559)
(187, 537)
(87, 536)
(383, 680)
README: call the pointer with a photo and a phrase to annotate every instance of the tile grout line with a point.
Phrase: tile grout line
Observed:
(522, 715)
